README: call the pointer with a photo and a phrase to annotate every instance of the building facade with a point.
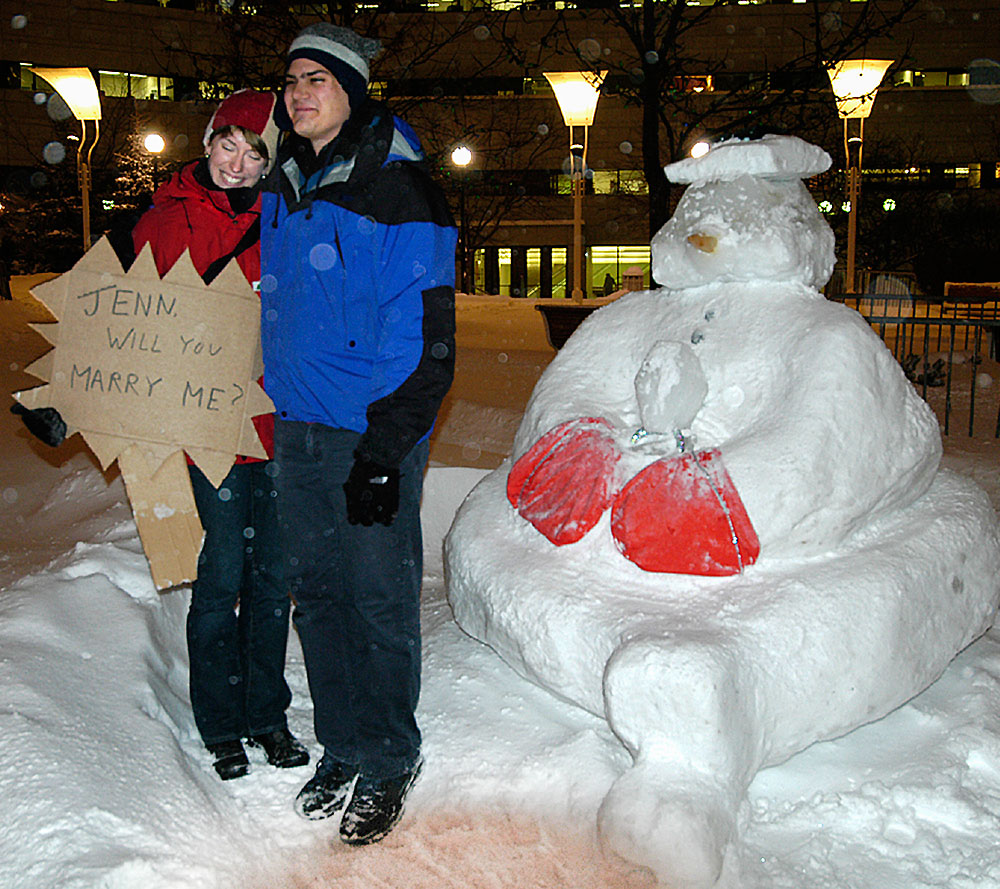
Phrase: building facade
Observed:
(475, 76)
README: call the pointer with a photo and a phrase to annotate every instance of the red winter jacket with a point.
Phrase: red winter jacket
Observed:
(187, 215)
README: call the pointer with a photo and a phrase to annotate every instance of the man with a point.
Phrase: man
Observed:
(358, 329)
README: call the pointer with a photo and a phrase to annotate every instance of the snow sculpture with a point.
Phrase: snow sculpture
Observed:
(875, 566)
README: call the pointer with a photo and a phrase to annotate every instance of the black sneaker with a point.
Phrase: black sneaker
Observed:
(230, 759)
(325, 793)
(282, 749)
(376, 807)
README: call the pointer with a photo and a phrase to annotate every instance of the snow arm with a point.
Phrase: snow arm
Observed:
(844, 439)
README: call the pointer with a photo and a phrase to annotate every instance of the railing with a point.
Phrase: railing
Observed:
(947, 349)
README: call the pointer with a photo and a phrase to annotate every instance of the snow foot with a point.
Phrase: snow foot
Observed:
(680, 831)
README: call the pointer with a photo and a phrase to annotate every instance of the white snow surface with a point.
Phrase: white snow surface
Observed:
(105, 783)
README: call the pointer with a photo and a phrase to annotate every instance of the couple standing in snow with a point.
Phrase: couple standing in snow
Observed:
(354, 247)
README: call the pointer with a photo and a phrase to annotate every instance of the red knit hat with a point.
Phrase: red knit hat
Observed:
(252, 111)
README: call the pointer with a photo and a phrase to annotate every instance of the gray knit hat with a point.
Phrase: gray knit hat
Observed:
(342, 52)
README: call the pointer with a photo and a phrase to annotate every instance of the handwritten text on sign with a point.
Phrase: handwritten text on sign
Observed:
(149, 359)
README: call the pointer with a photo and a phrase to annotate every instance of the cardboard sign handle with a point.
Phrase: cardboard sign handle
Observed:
(165, 514)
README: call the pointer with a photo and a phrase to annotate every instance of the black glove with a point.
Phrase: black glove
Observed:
(372, 493)
(43, 422)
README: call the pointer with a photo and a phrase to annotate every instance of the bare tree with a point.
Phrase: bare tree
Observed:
(43, 217)
(247, 46)
(689, 70)
(419, 54)
(681, 70)
(505, 180)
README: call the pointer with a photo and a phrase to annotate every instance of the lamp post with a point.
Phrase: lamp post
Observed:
(154, 144)
(855, 82)
(77, 88)
(577, 93)
(461, 157)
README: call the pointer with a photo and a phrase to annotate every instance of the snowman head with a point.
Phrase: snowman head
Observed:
(746, 216)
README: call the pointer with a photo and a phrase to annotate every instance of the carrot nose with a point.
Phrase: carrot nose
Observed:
(705, 243)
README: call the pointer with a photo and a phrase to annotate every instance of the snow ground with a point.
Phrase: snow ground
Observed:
(105, 783)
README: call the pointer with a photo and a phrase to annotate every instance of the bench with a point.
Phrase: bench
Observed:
(563, 317)
(975, 301)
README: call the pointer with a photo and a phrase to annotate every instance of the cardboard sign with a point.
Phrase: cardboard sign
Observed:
(145, 368)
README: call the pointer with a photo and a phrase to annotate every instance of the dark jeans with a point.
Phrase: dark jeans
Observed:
(237, 627)
(357, 599)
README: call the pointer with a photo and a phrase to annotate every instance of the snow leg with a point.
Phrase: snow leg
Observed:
(681, 706)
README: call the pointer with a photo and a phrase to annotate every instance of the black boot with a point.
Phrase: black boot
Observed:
(230, 759)
(375, 807)
(282, 748)
(325, 792)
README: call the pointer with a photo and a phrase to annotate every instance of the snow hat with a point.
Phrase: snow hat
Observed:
(770, 157)
(251, 110)
(342, 52)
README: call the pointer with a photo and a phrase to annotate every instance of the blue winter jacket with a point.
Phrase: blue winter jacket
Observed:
(358, 286)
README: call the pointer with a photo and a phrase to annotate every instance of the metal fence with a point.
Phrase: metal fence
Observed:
(948, 349)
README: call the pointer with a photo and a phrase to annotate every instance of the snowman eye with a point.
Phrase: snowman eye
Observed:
(705, 243)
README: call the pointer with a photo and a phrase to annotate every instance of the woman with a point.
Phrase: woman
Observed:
(237, 625)
(238, 690)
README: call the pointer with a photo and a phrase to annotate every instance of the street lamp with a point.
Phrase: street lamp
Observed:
(77, 88)
(700, 148)
(855, 82)
(461, 157)
(577, 93)
(154, 144)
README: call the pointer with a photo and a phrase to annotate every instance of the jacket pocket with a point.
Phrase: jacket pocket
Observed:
(358, 303)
